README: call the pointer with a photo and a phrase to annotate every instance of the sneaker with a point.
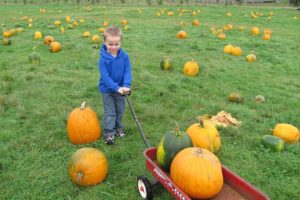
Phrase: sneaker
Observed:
(110, 140)
(120, 134)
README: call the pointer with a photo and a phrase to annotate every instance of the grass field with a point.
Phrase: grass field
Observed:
(36, 100)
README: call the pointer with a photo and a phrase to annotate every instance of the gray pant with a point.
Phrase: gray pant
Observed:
(114, 107)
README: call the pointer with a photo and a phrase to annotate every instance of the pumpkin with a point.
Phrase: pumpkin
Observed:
(101, 30)
(74, 23)
(170, 13)
(88, 166)
(197, 172)
(68, 19)
(96, 39)
(181, 35)
(195, 22)
(38, 35)
(259, 99)
(55, 47)
(124, 22)
(266, 37)
(236, 51)
(83, 125)
(34, 58)
(126, 28)
(170, 144)
(205, 135)
(221, 36)
(57, 23)
(105, 23)
(48, 40)
(241, 28)
(255, 30)
(166, 63)
(251, 58)
(227, 48)
(6, 41)
(287, 132)
(191, 68)
(235, 97)
(7, 34)
(86, 34)
(229, 14)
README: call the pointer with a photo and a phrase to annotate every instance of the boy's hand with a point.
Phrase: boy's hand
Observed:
(120, 90)
(126, 89)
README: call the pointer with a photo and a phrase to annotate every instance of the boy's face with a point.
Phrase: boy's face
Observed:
(113, 44)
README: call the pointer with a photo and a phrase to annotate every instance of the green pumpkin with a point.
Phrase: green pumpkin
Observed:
(166, 63)
(171, 143)
(34, 58)
(273, 142)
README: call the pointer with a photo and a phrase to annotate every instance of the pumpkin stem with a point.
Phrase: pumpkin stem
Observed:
(83, 105)
(79, 176)
(198, 151)
(201, 121)
(177, 130)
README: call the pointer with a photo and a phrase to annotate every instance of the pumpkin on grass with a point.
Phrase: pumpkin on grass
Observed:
(170, 144)
(181, 35)
(287, 132)
(83, 125)
(55, 47)
(205, 135)
(191, 68)
(197, 172)
(48, 40)
(166, 63)
(88, 166)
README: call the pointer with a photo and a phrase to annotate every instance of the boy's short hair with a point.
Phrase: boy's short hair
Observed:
(112, 31)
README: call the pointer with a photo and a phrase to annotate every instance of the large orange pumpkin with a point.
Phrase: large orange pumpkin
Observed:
(191, 68)
(88, 166)
(83, 125)
(205, 135)
(197, 172)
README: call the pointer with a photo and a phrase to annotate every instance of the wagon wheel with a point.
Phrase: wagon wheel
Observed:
(144, 188)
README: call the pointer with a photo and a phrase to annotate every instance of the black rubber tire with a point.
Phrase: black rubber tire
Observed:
(144, 188)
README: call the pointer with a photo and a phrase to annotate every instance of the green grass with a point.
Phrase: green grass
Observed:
(37, 99)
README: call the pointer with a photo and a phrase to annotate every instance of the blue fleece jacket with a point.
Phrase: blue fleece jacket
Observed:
(115, 72)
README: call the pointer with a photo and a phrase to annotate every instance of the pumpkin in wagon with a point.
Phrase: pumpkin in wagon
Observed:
(83, 125)
(205, 135)
(170, 144)
(197, 172)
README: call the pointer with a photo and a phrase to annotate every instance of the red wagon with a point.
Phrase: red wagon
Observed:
(234, 187)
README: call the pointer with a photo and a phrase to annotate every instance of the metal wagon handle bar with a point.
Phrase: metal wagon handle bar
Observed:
(127, 94)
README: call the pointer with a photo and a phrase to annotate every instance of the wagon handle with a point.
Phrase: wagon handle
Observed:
(126, 94)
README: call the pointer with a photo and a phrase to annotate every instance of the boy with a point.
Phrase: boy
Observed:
(115, 79)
